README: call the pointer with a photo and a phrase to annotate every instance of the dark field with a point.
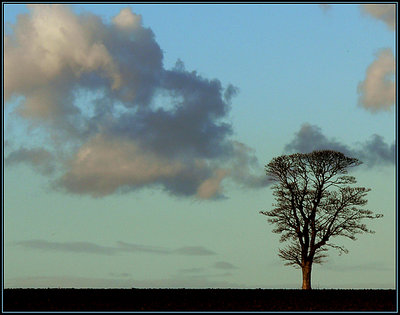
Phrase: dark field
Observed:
(197, 300)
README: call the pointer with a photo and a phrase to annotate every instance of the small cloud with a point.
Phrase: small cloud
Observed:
(194, 250)
(121, 247)
(383, 12)
(372, 152)
(188, 250)
(126, 19)
(209, 275)
(76, 247)
(325, 7)
(376, 151)
(212, 186)
(377, 91)
(129, 247)
(40, 159)
(245, 168)
(191, 270)
(224, 265)
(310, 138)
(120, 275)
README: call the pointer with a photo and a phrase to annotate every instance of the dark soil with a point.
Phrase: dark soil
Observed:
(197, 300)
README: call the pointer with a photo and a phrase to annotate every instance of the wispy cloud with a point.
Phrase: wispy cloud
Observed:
(120, 247)
(194, 251)
(224, 265)
(372, 152)
(129, 247)
(74, 247)
(208, 271)
(120, 275)
(191, 270)
(118, 118)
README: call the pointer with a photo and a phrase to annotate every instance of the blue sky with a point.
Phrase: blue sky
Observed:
(136, 137)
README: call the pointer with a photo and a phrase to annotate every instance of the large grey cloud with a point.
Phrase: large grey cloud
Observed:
(119, 120)
(374, 151)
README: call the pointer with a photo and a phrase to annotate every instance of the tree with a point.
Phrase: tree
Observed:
(314, 204)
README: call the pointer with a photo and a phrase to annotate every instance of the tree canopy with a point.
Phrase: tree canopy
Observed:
(315, 203)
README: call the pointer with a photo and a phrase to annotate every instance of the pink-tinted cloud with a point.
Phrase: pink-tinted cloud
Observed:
(377, 91)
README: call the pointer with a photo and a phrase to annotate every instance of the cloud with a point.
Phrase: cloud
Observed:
(375, 151)
(191, 270)
(372, 152)
(201, 272)
(118, 118)
(127, 20)
(325, 7)
(377, 91)
(75, 247)
(211, 186)
(129, 247)
(103, 165)
(120, 247)
(310, 138)
(195, 276)
(245, 166)
(188, 282)
(41, 56)
(224, 265)
(194, 251)
(383, 12)
(120, 274)
(42, 160)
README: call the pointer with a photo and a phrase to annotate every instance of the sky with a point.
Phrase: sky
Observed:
(136, 136)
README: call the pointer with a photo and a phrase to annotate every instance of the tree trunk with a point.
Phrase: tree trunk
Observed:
(306, 276)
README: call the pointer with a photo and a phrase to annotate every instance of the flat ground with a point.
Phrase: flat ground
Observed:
(197, 300)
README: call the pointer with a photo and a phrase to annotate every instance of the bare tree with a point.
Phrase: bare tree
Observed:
(314, 204)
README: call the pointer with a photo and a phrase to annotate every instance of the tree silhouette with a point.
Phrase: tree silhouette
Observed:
(314, 204)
